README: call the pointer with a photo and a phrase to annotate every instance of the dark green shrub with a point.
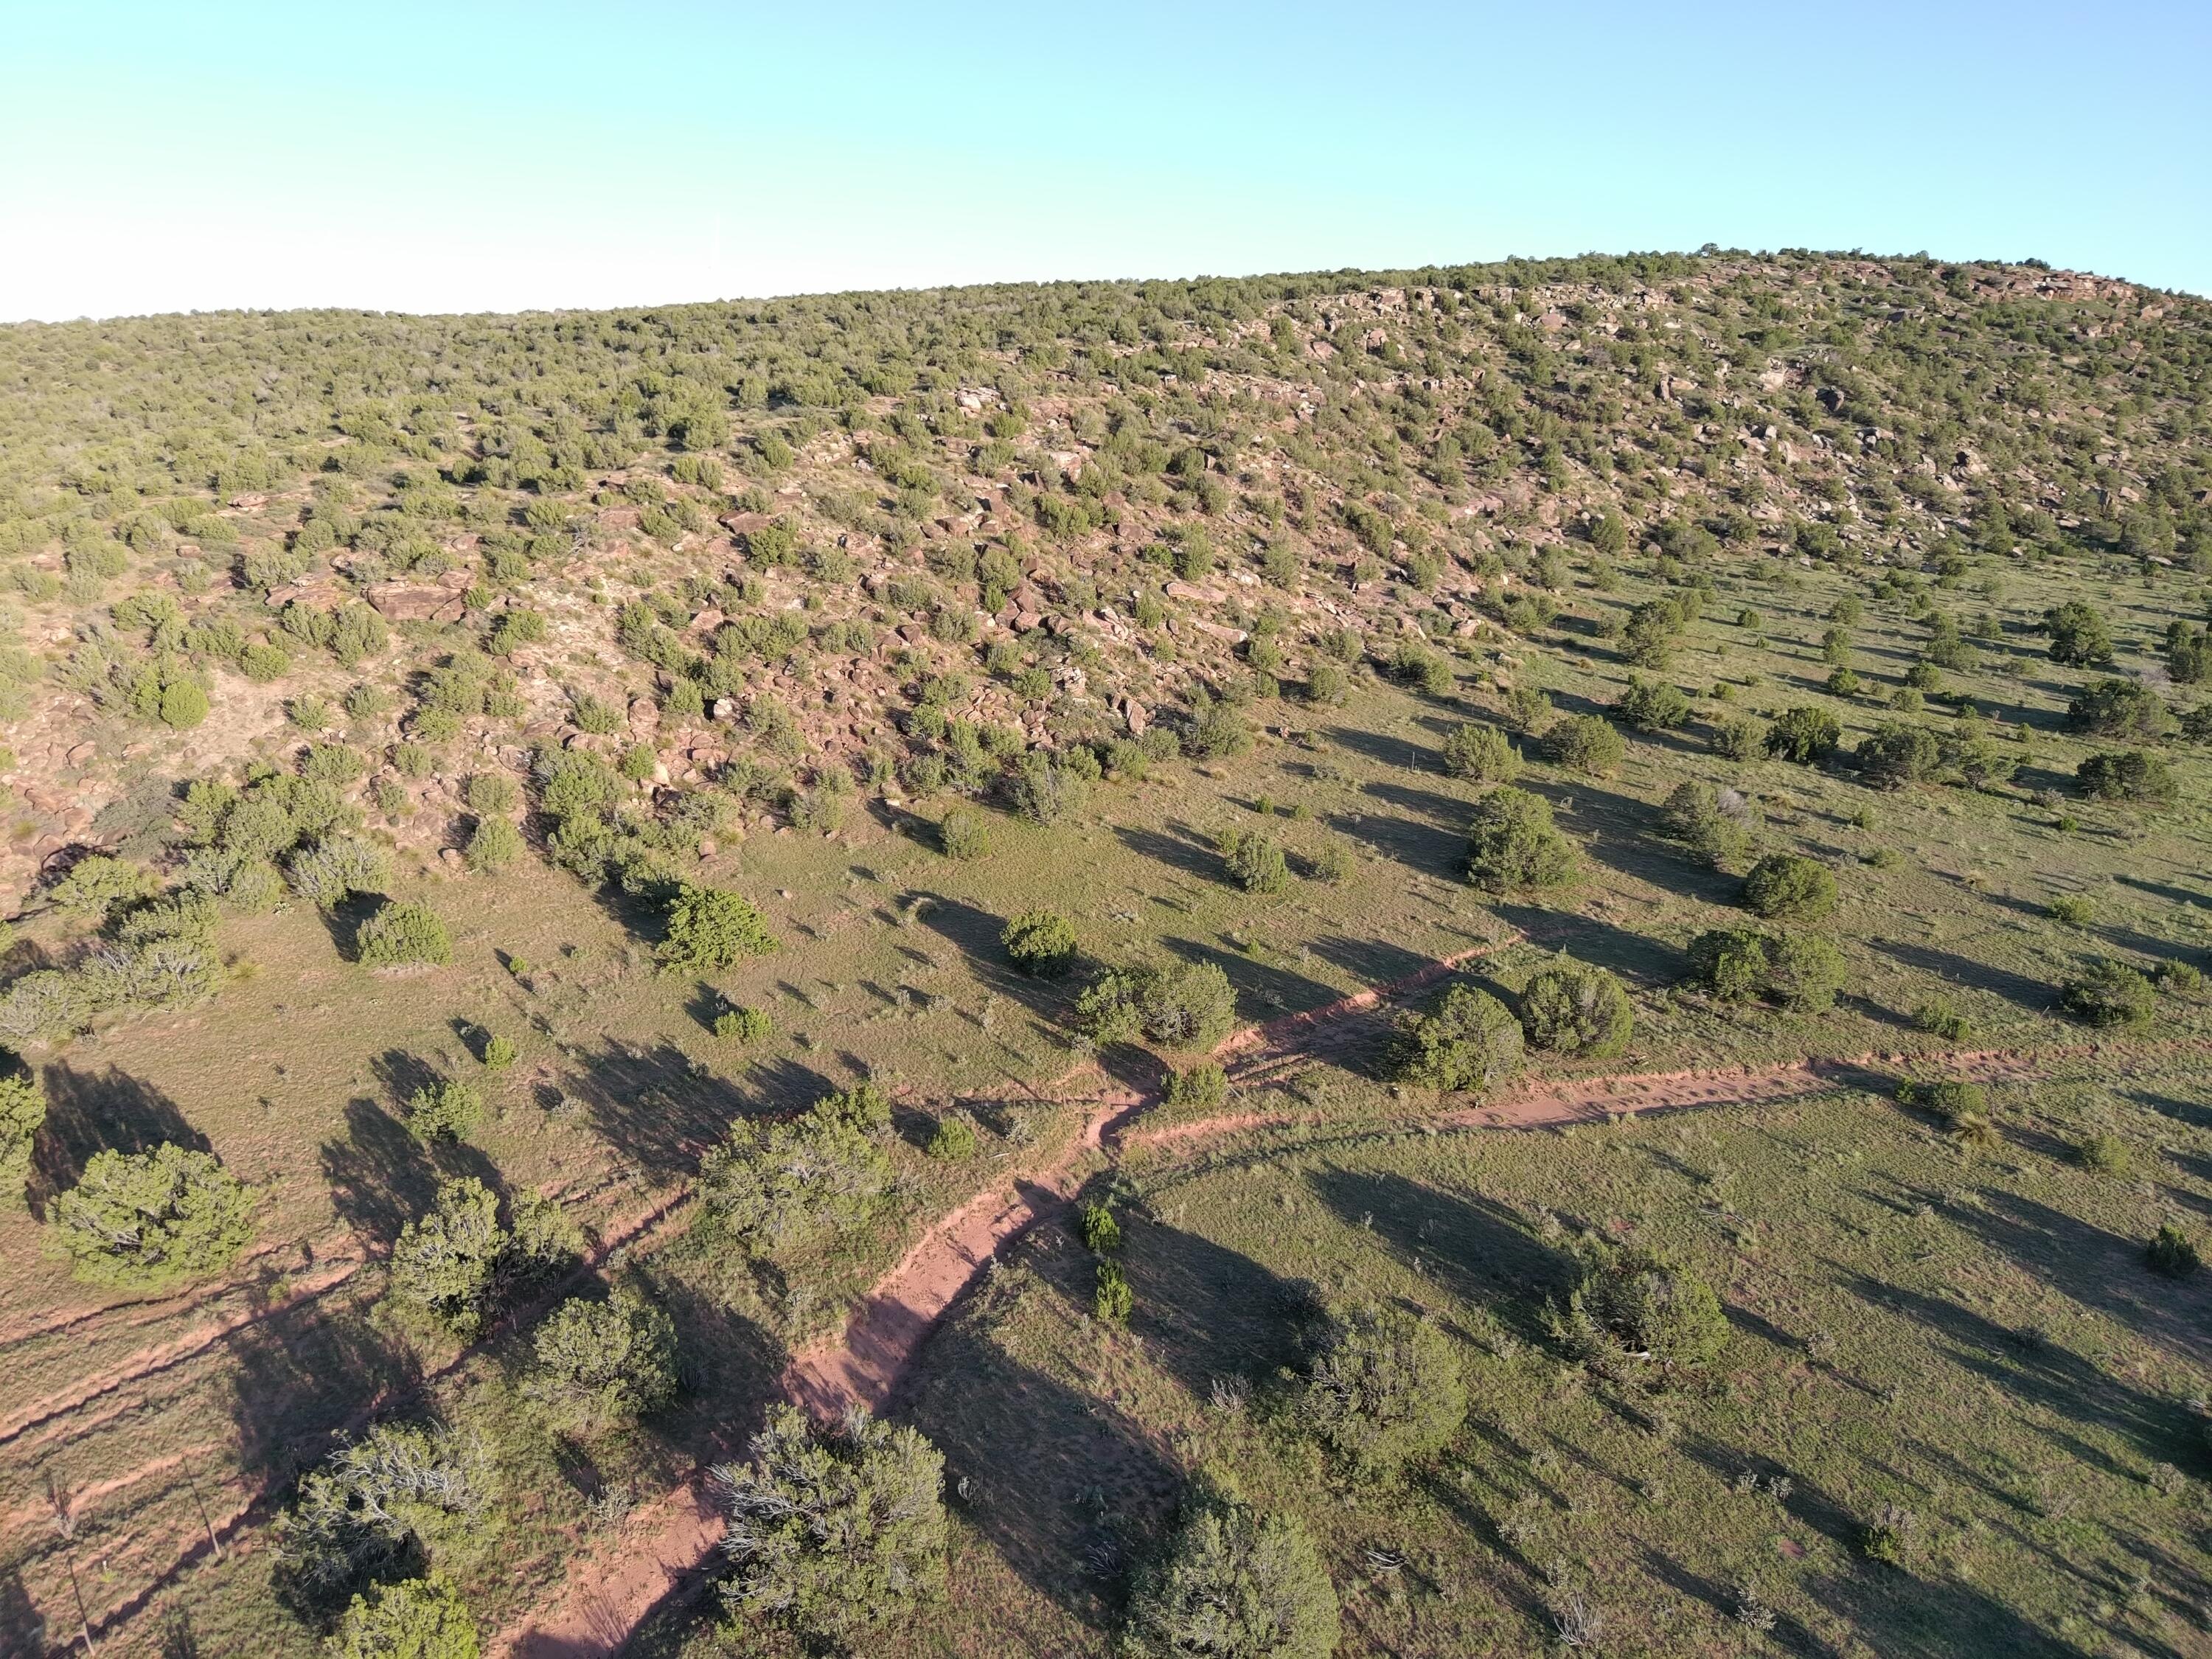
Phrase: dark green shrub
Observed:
(1785, 886)
(1805, 735)
(1894, 755)
(1577, 1010)
(1585, 743)
(2079, 635)
(1231, 1582)
(1526, 707)
(2173, 1253)
(2071, 912)
(1112, 1300)
(1043, 791)
(2105, 1153)
(447, 1263)
(1198, 1089)
(2120, 708)
(1041, 943)
(1480, 752)
(1740, 737)
(2135, 776)
(404, 934)
(150, 1221)
(413, 1619)
(1719, 826)
(710, 928)
(2173, 979)
(378, 1506)
(601, 1364)
(1384, 1392)
(1938, 1017)
(23, 1114)
(444, 1110)
(1101, 1234)
(1635, 1305)
(1188, 1005)
(744, 1026)
(1255, 862)
(1731, 963)
(2107, 994)
(833, 1530)
(1648, 637)
(494, 844)
(963, 833)
(1652, 705)
(1803, 972)
(1512, 842)
(953, 1138)
(1467, 1042)
(772, 1185)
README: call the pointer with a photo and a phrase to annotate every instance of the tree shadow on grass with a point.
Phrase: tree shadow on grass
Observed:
(1600, 944)
(976, 934)
(1432, 851)
(2040, 1371)
(1204, 1310)
(2099, 1269)
(1264, 992)
(1185, 850)
(2032, 995)
(1062, 1484)
(298, 1374)
(381, 1176)
(1901, 1615)
(653, 1108)
(1476, 1249)
(89, 1113)
(1788, 1633)
(22, 1626)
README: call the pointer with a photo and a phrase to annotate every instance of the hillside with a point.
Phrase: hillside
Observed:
(585, 766)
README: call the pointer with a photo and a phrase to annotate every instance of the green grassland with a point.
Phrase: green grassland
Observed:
(1973, 1339)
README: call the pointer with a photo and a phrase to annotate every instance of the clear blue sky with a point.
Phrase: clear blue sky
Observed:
(475, 156)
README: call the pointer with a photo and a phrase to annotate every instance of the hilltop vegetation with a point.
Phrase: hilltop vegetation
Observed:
(545, 853)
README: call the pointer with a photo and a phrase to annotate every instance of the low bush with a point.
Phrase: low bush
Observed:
(1635, 1305)
(601, 1364)
(1804, 734)
(444, 1110)
(953, 1138)
(1512, 842)
(1187, 1006)
(379, 1506)
(2136, 777)
(412, 1619)
(964, 834)
(2107, 1154)
(1384, 1392)
(404, 934)
(1937, 1018)
(150, 1221)
(710, 928)
(1481, 753)
(1197, 1088)
(1587, 744)
(1719, 826)
(742, 1026)
(832, 1530)
(1112, 1298)
(1041, 943)
(1652, 706)
(1232, 1582)
(2108, 994)
(1784, 886)
(1466, 1042)
(1577, 1010)
(2173, 1253)
(1255, 862)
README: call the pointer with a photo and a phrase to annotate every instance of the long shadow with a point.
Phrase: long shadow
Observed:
(1788, 1633)
(975, 932)
(657, 1112)
(1592, 940)
(1263, 992)
(1618, 830)
(1377, 962)
(2162, 890)
(89, 1113)
(2032, 995)
(1389, 750)
(2099, 1269)
(1065, 1486)
(22, 1626)
(381, 1176)
(1900, 1615)
(1204, 1310)
(1476, 1249)
(297, 1375)
(1191, 854)
(1423, 846)
(2045, 1374)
